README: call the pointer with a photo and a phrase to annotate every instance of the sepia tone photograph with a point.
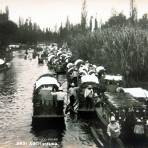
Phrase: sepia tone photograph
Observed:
(73, 74)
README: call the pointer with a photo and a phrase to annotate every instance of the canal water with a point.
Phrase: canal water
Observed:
(16, 88)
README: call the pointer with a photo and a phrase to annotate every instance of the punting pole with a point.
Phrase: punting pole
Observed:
(96, 137)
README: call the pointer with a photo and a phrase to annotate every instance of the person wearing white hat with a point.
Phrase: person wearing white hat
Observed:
(75, 76)
(60, 97)
(139, 128)
(88, 94)
(60, 89)
(113, 130)
(72, 98)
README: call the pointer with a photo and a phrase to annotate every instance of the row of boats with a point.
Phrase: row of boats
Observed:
(95, 92)
(48, 107)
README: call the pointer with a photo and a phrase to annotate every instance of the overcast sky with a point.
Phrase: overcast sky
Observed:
(47, 13)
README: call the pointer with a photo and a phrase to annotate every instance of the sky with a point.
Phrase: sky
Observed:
(50, 13)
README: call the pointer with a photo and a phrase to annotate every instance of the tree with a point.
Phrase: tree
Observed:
(143, 22)
(67, 25)
(84, 16)
(20, 22)
(116, 20)
(90, 23)
(133, 12)
(7, 11)
(8, 30)
(96, 24)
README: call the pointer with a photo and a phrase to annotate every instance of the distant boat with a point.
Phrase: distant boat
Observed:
(60, 68)
(40, 58)
(4, 65)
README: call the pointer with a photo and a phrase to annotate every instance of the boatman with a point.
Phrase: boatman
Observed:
(75, 76)
(61, 96)
(88, 94)
(113, 130)
(72, 98)
(139, 130)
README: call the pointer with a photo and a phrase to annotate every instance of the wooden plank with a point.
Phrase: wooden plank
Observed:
(48, 116)
(86, 110)
(100, 117)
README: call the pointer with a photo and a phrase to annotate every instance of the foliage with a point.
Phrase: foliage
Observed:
(84, 16)
(121, 44)
(8, 30)
(143, 22)
(122, 50)
(118, 19)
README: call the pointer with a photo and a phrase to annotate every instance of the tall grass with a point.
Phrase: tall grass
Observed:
(122, 50)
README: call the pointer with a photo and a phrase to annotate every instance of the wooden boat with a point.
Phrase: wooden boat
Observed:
(120, 105)
(112, 82)
(46, 110)
(138, 93)
(83, 109)
(4, 65)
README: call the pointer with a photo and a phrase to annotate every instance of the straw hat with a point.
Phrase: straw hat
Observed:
(60, 88)
(112, 119)
(72, 84)
(138, 120)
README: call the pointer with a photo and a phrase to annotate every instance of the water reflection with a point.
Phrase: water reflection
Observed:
(49, 136)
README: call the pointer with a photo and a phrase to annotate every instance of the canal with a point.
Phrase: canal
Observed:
(16, 88)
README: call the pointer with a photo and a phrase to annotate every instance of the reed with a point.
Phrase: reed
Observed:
(121, 50)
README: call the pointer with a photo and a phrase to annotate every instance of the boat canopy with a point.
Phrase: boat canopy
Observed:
(55, 60)
(122, 100)
(99, 68)
(91, 72)
(51, 57)
(70, 70)
(59, 53)
(89, 78)
(136, 92)
(69, 65)
(83, 72)
(64, 55)
(49, 74)
(46, 81)
(79, 61)
(113, 77)
(2, 61)
(83, 68)
(13, 46)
